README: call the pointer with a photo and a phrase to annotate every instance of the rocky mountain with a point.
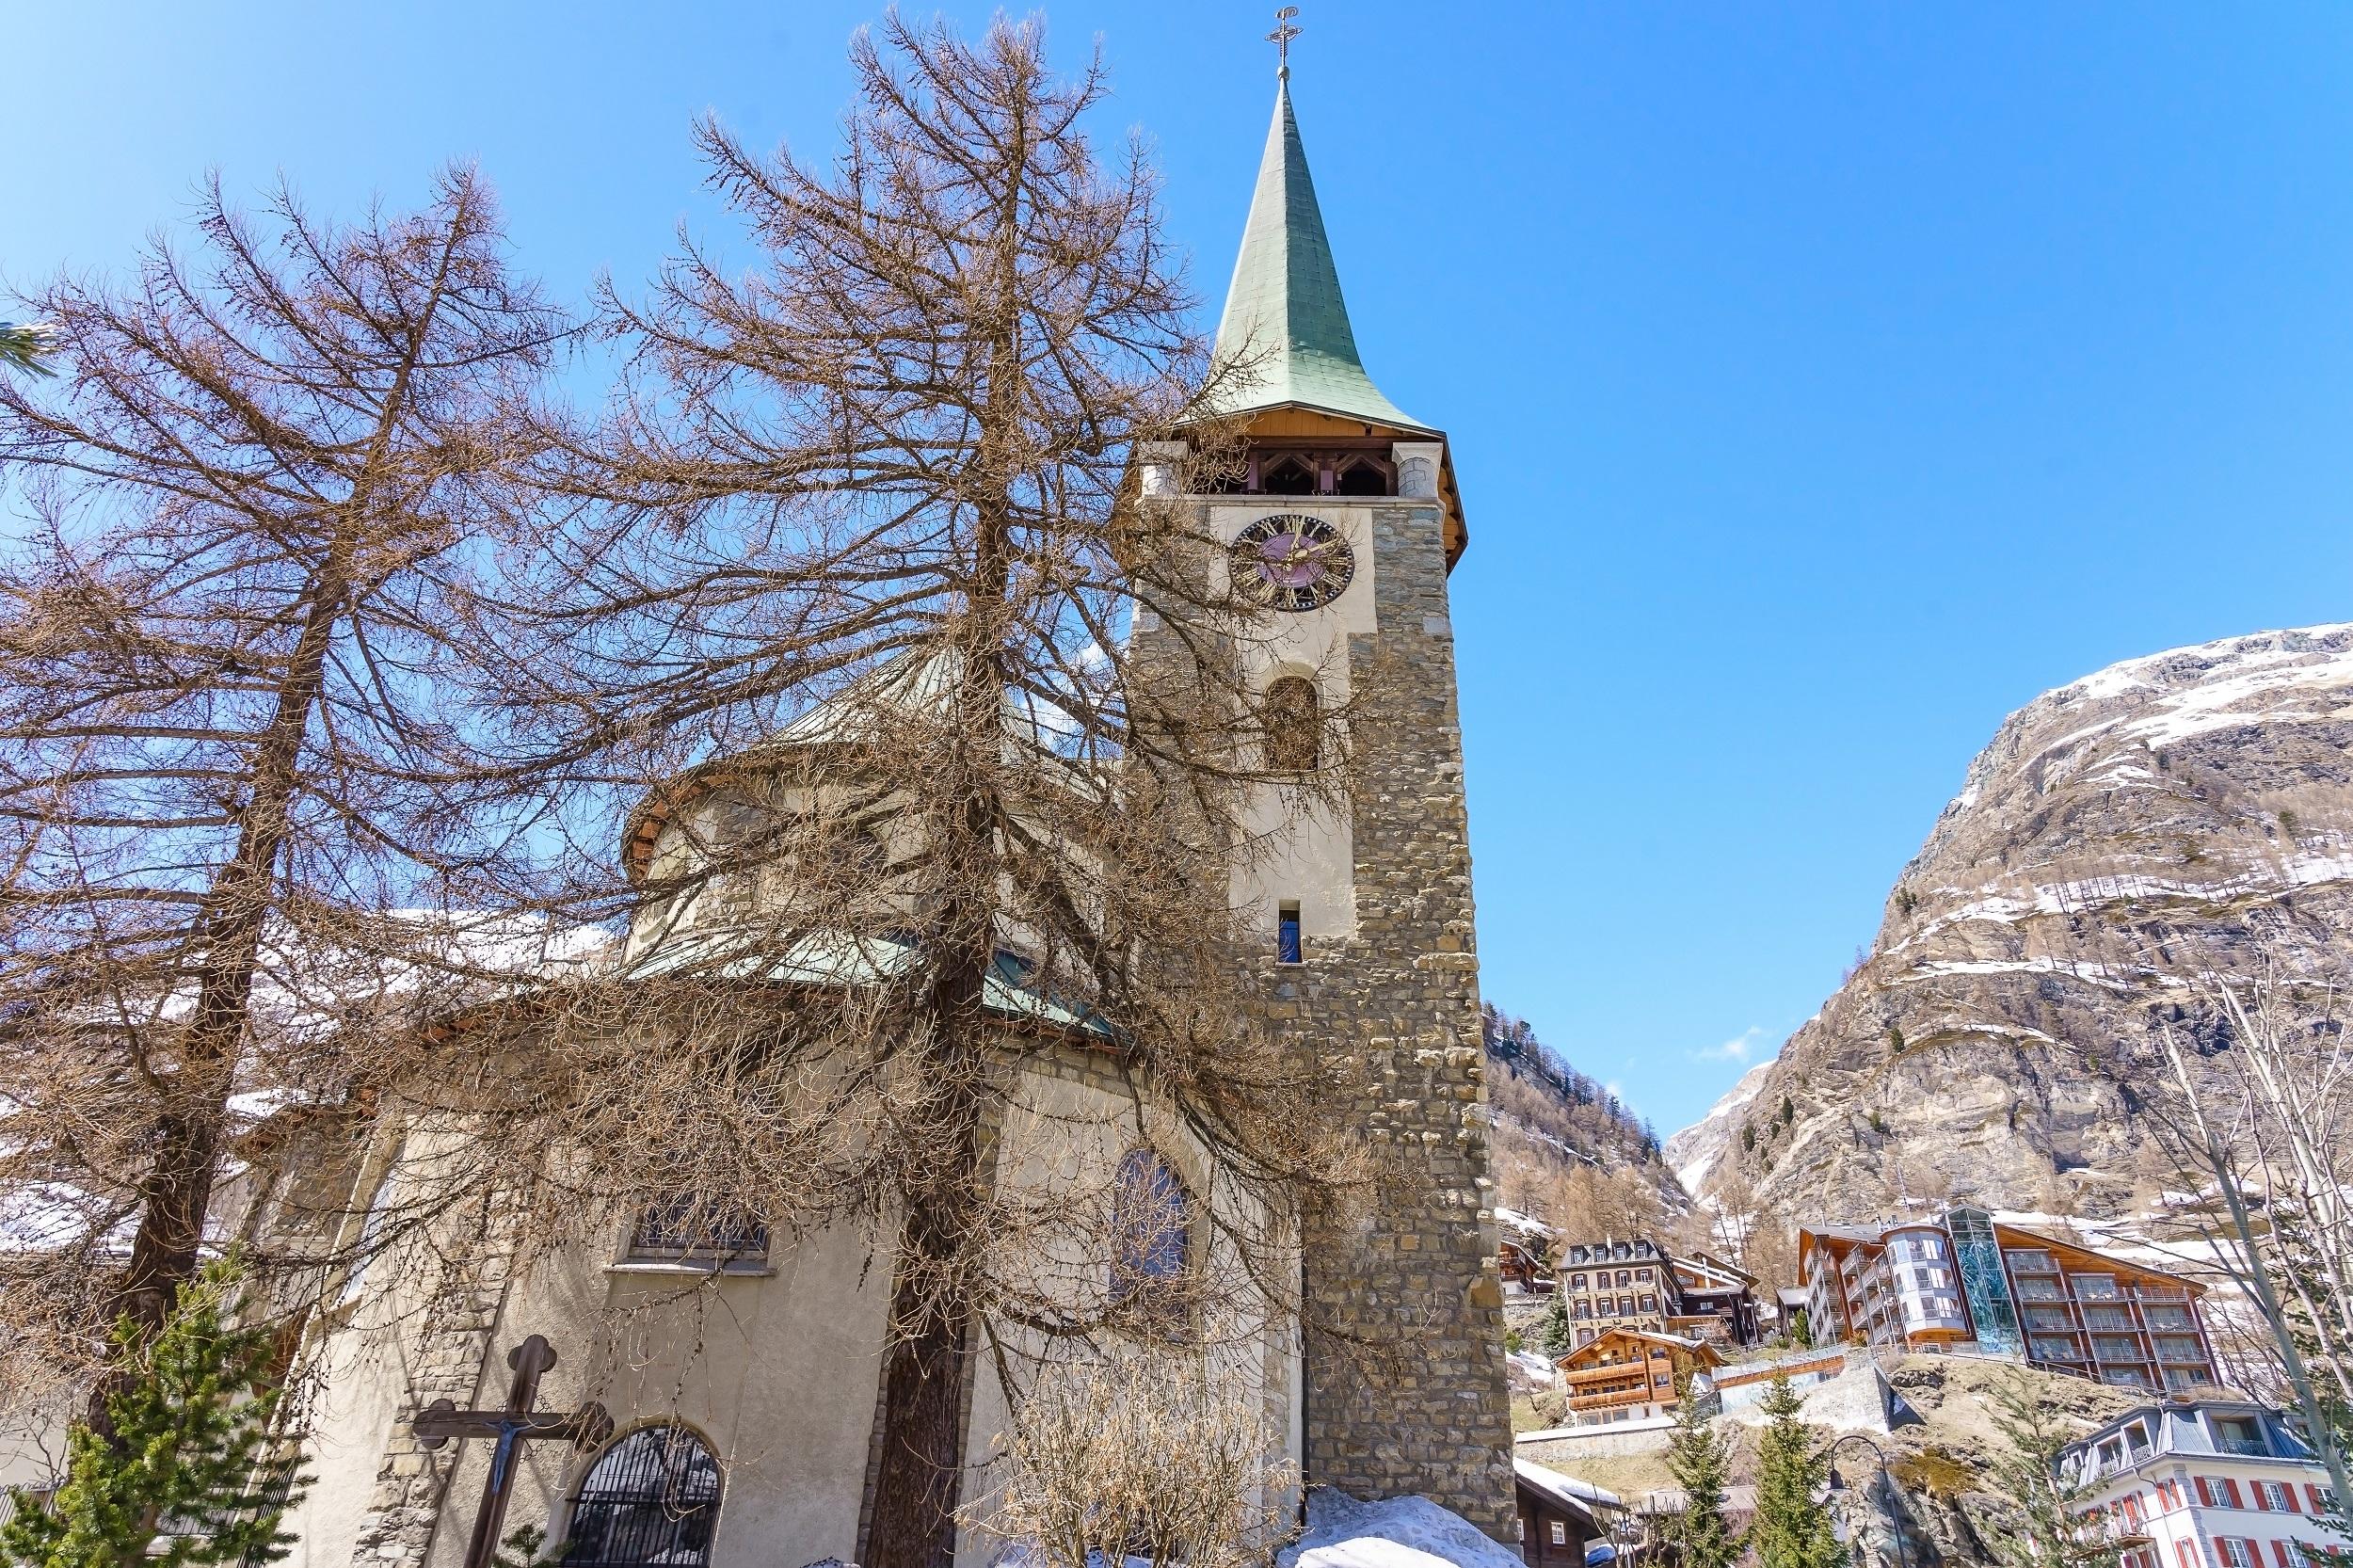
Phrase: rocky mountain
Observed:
(1567, 1150)
(2188, 813)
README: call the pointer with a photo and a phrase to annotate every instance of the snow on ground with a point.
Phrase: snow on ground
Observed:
(1537, 1368)
(1395, 1532)
(1525, 1224)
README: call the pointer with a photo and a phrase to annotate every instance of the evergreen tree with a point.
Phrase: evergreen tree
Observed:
(23, 347)
(1791, 1529)
(1558, 1338)
(2047, 1525)
(1700, 1458)
(193, 1457)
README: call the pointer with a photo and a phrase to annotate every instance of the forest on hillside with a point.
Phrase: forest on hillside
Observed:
(1567, 1150)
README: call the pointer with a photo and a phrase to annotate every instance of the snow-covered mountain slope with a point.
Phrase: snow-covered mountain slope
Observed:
(1693, 1152)
(2186, 813)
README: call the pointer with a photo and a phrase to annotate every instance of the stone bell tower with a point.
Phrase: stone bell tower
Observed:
(1348, 518)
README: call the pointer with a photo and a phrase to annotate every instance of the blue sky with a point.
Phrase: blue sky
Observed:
(1825, 381)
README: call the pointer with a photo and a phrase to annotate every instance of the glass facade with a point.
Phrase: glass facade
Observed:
(1984, 1282)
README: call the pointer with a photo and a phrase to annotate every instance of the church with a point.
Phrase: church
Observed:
(742, 1417)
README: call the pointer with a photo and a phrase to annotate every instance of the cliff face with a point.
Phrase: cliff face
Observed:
(2182, 813)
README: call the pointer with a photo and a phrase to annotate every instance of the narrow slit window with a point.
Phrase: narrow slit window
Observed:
(1286, 933)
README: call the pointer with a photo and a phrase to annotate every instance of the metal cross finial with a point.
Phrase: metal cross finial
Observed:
(1284, 30)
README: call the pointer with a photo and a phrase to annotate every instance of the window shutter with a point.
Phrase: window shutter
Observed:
(2230, 1490)
(2279, 1554)
(2263, 1504)
(2182, 1555)
(2287, 1497)
(2320, 1502)
(2205, 1493)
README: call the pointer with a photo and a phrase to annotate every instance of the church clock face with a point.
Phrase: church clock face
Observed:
(1291, 562)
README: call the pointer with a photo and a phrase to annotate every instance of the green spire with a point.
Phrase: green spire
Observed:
(1284, 311)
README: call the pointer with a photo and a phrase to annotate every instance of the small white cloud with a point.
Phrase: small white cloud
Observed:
(1741, 1048)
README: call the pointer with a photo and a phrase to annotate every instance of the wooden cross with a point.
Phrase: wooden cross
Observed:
(1284, 30)
(437, 1423)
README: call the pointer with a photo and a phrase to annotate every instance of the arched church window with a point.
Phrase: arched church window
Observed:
(1151, 1227)
(1287, 476)
(651, 1499)
(1294, 725)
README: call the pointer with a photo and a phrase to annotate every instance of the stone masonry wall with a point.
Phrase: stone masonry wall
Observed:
(1396, 1006)
(410, 1482)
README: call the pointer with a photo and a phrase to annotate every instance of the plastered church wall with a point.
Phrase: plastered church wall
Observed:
(778, 1371)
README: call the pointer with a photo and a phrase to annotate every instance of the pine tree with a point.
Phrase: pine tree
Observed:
(1558, 1338)
(23, 347)
(2047, 1525)
(193, 1457)
(1792, 1529)
(1700, 1459)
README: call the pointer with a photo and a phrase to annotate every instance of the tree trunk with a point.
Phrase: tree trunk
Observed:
(917, 1487)
(920, 1482)
(178, 1189)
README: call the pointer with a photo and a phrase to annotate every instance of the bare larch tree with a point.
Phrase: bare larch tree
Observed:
(950, 739)
(239, 808)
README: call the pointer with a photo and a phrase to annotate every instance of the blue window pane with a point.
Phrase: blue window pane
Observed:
(1151, 1215)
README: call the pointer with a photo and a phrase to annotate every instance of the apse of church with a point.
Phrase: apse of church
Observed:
(757, 1400)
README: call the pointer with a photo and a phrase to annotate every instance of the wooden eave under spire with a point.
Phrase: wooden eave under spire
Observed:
(1297, 422)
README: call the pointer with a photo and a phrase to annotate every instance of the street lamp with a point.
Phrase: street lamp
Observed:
(1878, 1458)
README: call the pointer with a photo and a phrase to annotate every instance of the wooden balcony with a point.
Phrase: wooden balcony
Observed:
(1618, 1397)
(1615, 1371)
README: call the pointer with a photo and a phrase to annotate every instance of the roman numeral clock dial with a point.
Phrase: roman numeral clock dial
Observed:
(1291, 562)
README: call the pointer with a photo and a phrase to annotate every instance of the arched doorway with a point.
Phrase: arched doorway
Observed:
(651, 1499)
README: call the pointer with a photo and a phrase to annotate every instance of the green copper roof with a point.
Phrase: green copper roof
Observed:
(1284, 312)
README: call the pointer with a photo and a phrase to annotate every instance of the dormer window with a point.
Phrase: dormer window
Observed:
(2237, 1434)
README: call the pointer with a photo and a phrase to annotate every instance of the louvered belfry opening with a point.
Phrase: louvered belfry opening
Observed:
(652, 1497)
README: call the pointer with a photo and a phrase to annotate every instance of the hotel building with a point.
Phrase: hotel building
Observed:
(1969, 1282)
